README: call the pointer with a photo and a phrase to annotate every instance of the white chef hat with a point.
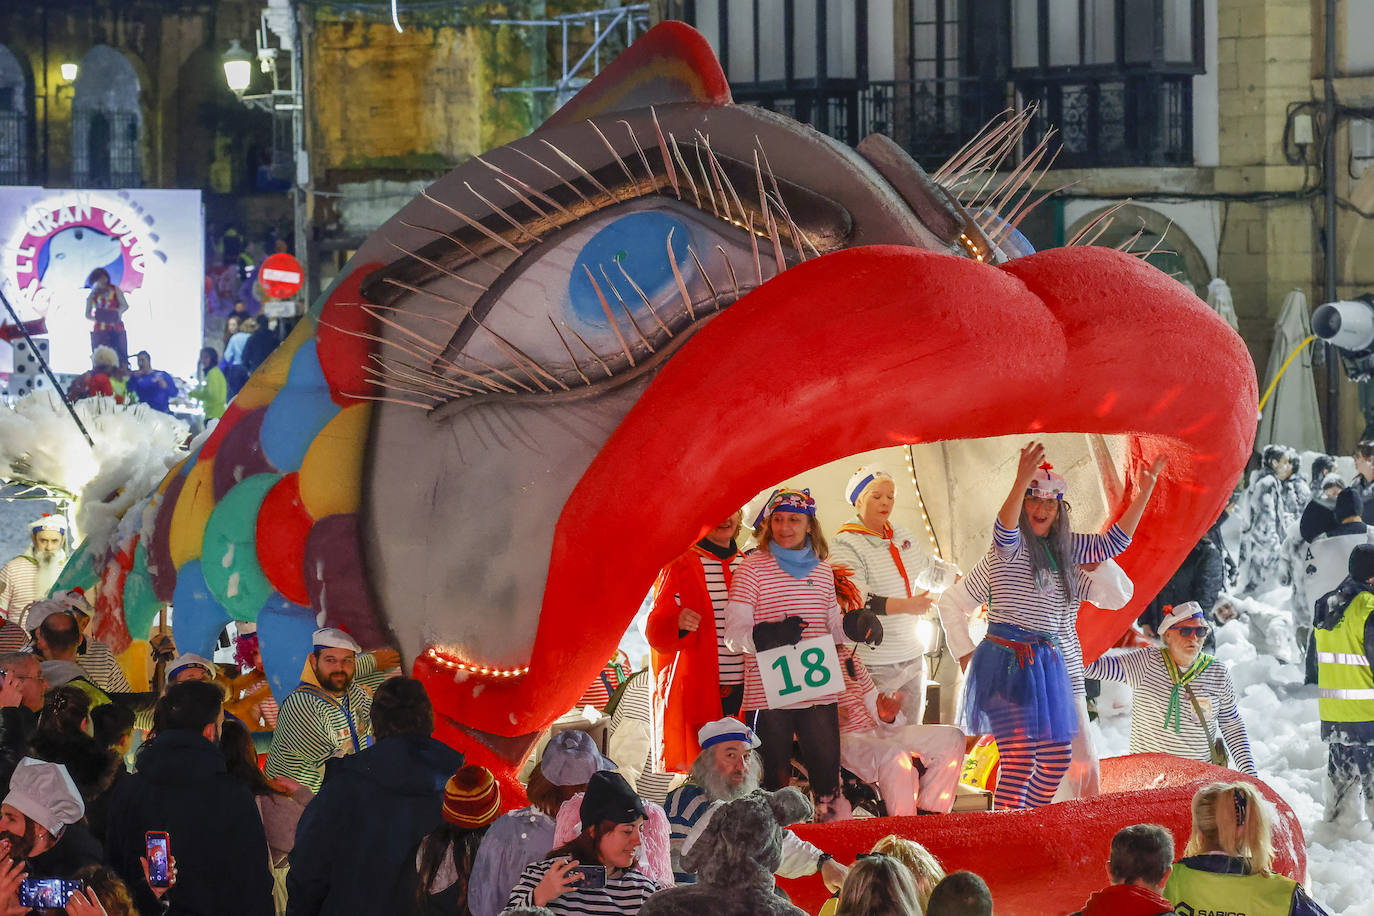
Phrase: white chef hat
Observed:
(45, 794)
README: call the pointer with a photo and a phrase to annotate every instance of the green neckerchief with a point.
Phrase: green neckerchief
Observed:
(1181, 680)
(1045, 546)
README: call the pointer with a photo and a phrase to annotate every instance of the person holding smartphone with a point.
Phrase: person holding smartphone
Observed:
(594, 873)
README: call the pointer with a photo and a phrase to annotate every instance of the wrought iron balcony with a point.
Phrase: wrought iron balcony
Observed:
(1110, 118)
(1106, 117)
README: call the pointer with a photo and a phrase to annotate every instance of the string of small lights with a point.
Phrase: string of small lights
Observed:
(920, 501)
(448, 660)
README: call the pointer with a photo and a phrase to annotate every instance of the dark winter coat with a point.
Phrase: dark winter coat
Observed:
(371, 812)
(91, 766)
(1316, 520)
(17, 725)
(181, 786)
(1200, 578)
(74, 850)
(1366, 490)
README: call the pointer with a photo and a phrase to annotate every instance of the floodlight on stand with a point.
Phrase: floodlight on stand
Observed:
(238, 67)
(69, 71)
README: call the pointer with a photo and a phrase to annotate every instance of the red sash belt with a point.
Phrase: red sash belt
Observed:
(1025, 651)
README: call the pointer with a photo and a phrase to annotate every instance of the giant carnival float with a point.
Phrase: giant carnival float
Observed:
(510, 411)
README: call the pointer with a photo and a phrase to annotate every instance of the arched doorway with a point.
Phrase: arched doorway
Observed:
(1138, 229)
(107, 125)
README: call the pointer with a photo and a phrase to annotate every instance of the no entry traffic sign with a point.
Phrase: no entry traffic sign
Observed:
(281, 276)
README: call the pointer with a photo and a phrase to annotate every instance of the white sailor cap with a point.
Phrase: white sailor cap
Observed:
(334, 638)
(726, 729)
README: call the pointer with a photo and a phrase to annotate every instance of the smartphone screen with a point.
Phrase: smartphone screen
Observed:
(46, 892)
(158, 845)
(592, 875)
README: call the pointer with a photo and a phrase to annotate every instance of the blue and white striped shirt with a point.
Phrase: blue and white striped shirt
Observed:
(1006, 583)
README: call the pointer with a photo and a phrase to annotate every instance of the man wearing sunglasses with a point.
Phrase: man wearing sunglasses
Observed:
(1184, 701)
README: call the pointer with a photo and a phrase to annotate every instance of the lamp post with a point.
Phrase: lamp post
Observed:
(238, 67)
(238, 75)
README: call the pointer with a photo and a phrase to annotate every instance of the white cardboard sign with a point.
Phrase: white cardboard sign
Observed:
(795, 674)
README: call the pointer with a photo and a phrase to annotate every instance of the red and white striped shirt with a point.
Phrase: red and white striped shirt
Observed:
(761, 592)
(855, 715)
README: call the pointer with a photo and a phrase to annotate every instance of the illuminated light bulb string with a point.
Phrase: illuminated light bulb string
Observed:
(451, 661)
(920, 501)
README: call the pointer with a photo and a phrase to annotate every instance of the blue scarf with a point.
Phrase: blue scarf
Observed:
(796, 562)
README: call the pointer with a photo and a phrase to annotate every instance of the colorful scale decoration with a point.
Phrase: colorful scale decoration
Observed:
(252, 525)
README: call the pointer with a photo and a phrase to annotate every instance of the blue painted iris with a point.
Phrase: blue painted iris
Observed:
(638, 243)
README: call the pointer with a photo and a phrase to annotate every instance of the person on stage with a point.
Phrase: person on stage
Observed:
(1025, 677)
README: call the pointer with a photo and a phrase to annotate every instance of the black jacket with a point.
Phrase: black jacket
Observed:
(216, 833)
(1201, 578)
(372, 811)
(74, 850)
(17, 725)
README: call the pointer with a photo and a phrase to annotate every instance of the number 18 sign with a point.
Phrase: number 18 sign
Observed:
(795, 674)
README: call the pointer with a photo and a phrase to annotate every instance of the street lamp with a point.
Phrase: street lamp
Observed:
(238, 67)
(69, 71)
(282, 103)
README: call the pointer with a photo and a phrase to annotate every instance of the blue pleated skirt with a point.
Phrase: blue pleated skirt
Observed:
(1026, 691)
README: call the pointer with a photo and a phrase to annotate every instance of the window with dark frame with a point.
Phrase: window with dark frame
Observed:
(1113, 76)
(14, 121)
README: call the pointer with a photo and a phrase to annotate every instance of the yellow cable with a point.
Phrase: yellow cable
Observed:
(1270, 390)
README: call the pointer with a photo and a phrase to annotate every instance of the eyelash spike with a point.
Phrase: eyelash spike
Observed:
(545, 198)
(644, 160)
(614, 155)
(715, 297)
(667, 159)
(686, 173)
(643, 298)
(604, 368)
(563, 340)
(585, 174)
(495, 237)
(799, 239)
(625, 308)
(677, 275)
(610, 316)
(501, 212)
(730, 269)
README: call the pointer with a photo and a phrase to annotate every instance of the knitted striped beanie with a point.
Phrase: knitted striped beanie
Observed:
(471, 798)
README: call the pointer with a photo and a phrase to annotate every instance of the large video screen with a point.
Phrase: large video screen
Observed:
(152, 244)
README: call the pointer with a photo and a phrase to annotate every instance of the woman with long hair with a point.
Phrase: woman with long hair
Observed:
(1228, 863)
(783, 593)
(878, 885)
(595, 872)
(280, 801)
(437, 884)
(925, 869)
(105, 308)
(1025, 678)
(63, 737)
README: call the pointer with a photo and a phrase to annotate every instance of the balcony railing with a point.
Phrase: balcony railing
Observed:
(1106, 118)
(1114, 119)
